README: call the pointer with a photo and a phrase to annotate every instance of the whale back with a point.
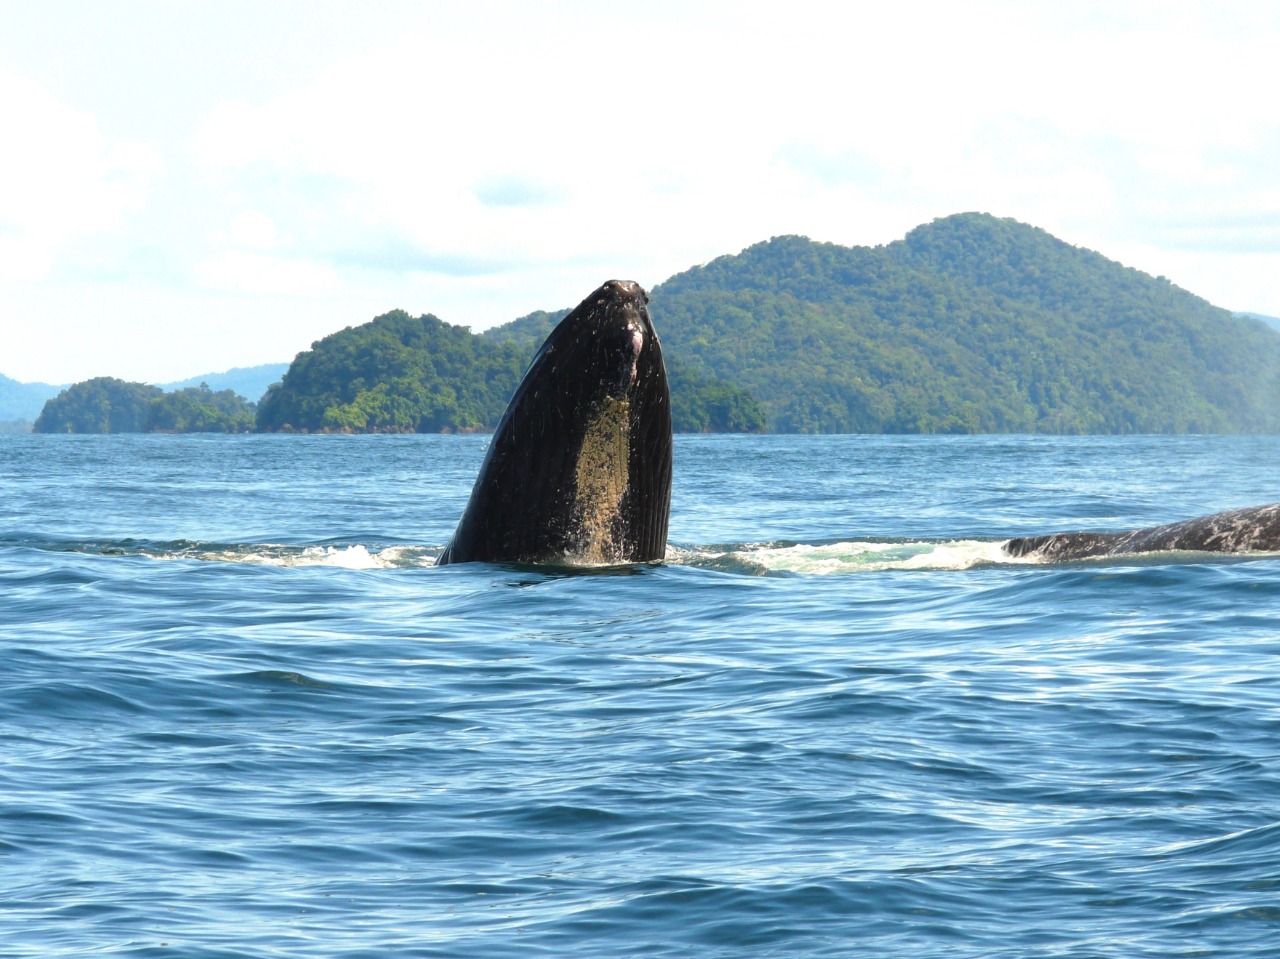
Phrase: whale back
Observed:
(1253, 528)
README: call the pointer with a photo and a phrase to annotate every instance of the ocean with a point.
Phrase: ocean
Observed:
(241, 714)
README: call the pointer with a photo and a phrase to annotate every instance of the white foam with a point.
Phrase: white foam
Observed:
(356, 556)
(347, 557)
(853, 557)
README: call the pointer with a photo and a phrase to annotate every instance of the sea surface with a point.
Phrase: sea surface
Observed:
(242, 715)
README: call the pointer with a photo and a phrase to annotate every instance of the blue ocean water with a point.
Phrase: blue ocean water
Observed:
(242, 715)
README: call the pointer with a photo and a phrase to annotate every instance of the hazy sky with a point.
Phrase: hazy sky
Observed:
(191, 186)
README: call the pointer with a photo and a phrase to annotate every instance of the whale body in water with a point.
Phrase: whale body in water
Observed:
(578, 472)
(1253, 528)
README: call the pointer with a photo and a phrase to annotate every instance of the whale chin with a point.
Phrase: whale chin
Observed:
(578, 472)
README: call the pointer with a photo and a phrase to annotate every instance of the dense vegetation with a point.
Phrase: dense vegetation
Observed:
(22, 403)
(109, 405)
(1271, 321)
(199, 409)
(400, 374)
(702, 404)
(395, 374)
(100, 405)
(969, 324)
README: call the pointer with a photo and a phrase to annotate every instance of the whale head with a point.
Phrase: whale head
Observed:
(579, 468)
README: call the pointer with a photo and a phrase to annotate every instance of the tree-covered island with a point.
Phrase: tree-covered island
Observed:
(108, 405)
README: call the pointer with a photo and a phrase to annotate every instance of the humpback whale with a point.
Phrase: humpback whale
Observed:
(1253, 528)
(578, 471)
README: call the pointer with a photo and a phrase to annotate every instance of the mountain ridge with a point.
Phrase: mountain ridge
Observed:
(251, 382)
(969, 323)
(21, 402)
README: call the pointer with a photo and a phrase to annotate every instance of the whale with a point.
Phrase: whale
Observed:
(1250, 529)
(578, 471)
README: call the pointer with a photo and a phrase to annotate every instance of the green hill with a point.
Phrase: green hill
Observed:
(394, 374)
(105, 404)
(1271, 321)
(399, 373)
(968, 324)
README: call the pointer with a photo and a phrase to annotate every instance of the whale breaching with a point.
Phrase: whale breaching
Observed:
(579, 468)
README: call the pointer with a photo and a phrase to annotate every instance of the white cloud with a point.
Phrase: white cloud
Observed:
(520, 141)
(254, 230)
(485, 160)
(60, 178)
(244, 272)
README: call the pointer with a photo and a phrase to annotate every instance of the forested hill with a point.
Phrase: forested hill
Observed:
(399, 373)
(968, 324)
(1271, 321)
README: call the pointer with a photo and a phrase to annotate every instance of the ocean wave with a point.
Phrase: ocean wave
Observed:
(821, 559)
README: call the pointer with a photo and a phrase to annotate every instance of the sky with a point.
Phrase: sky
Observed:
(191, 186)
